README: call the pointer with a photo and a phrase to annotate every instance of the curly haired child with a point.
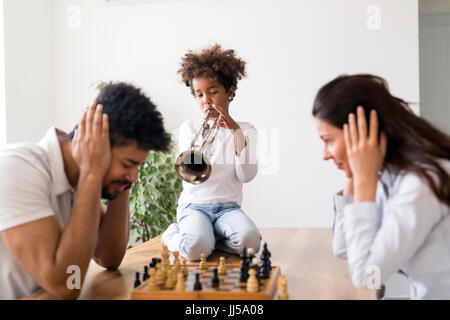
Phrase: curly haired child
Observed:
(209, 215)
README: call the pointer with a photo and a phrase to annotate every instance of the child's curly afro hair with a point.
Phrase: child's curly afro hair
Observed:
(221, 65)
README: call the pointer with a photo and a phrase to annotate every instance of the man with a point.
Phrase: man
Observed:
(52, 220)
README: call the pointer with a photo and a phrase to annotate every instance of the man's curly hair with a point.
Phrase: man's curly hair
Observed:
(221, 65)
(132, 116)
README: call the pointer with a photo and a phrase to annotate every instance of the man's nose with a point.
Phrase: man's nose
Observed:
(133, 175)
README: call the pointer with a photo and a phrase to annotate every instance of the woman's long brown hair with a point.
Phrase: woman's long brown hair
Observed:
(414, 145)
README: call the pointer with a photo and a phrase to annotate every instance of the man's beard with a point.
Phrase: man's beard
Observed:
(111, 196)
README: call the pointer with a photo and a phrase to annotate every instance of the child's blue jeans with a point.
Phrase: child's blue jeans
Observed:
(201, 228)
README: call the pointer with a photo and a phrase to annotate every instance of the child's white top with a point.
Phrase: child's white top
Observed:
(229, 171)
(405, 230)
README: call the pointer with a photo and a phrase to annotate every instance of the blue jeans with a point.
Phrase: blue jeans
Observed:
(205, 227)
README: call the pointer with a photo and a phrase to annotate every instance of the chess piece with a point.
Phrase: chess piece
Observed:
(152, 284)
(184, 269)
(282, 288)
(137, 282)
(180, 282)
(244, 252)
(170, 282)
(267, 254)
(160, 276)
(163, 271)
(165, 263)
(197, 284)
(266, 266)
(215, 280)
(252, 283)
(244, 266)
(203, 264)
(222, 268)
(176, 261)
(255, 265)
(154, 262)
(145, 276)
(164, 252)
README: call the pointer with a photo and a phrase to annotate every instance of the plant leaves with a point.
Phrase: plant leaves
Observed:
(153, 200)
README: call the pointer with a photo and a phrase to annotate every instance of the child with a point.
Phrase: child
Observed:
(393, 214)
(209, 214)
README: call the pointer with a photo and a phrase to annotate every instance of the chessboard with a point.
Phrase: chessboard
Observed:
(229, 286)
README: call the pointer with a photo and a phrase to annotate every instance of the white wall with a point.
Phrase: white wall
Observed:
(28, 69)
(293, 47)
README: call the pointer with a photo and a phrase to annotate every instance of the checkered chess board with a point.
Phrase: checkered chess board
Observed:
(229, 286)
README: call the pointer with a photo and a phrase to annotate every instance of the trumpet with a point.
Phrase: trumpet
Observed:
(193, 165)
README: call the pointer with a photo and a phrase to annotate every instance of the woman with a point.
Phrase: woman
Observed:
(393, 213)
(209, 214)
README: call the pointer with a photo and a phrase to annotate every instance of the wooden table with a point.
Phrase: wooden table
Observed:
(304, 255)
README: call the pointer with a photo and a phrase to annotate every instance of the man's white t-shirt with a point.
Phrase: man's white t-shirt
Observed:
(33, 186)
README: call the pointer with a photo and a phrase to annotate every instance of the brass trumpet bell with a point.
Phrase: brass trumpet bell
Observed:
(192, 166)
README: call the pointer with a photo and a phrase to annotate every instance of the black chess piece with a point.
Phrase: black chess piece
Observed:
(259, 279)
(146, 276)
(154, 262)
(244, 274)
(266, 265)
(244, 266)
(197, 284)
(264, 270)
(215, 279)
(267, 254)
(137, 282)
(244, 253)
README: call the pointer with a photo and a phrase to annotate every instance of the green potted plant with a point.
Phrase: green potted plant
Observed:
(154, 198)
